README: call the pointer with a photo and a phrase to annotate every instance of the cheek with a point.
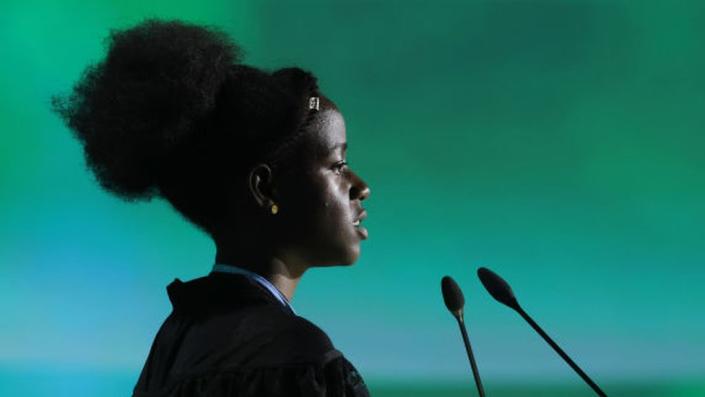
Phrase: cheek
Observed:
(336, 206)
(334, 230)
(316, 208)
(320, 222)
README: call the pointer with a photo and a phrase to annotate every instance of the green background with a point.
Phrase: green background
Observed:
(560, 143)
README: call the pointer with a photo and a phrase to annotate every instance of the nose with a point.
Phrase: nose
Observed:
(359, 189)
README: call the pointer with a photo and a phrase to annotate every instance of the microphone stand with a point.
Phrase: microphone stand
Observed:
(560, 351)
(471, 357)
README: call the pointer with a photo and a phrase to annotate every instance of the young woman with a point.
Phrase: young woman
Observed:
(257, 161)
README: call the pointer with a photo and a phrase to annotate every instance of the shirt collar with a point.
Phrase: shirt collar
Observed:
(278, 295)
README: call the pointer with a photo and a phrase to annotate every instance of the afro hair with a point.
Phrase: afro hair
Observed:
(169, 104)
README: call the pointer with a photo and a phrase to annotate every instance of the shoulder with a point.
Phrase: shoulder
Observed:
(290, 340)
(239, 323)
(306, 335)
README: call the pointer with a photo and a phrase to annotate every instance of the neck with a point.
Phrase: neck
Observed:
(283, 274)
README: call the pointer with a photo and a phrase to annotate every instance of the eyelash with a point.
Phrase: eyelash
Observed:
(340, 166)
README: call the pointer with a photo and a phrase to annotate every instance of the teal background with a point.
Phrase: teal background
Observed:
(559, 143)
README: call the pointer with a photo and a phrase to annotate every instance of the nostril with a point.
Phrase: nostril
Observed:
(359, 190)
(357, 193)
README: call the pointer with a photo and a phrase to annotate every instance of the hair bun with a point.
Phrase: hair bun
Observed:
(157, 82)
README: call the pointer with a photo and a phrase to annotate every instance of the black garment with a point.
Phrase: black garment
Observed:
(228, 336)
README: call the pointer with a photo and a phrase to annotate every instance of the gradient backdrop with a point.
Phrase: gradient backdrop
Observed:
(560, 143)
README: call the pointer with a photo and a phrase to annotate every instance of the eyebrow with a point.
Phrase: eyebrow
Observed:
(344, 145)
(325, 151)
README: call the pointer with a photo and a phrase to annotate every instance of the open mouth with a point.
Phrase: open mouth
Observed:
(357, 223)
(360, 218)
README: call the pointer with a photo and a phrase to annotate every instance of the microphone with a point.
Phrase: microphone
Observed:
(502, 292)
(454, 300)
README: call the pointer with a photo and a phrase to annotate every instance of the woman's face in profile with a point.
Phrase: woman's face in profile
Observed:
(321, 201)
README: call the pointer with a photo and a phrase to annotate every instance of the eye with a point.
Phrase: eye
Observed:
(340, 167)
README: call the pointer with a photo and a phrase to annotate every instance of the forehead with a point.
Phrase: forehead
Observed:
(327, 132)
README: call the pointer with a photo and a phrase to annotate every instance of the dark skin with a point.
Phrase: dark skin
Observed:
(320, 208)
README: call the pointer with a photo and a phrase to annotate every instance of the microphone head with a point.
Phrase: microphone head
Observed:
(497, 287)
(452, 295)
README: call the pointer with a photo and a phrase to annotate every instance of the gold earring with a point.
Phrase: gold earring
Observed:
(274, 208)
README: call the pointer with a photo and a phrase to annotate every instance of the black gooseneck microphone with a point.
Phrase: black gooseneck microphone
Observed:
(454, 300)
(502, 292)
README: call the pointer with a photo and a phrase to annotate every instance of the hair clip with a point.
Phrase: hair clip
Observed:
(314, 102)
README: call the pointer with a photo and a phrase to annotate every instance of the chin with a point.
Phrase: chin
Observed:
(350, 260)
(345, 257)
(352, 256)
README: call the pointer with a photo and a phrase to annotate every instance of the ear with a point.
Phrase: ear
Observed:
(260, 185)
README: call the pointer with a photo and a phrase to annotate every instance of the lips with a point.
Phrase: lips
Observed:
(360, 217)
(358, 227)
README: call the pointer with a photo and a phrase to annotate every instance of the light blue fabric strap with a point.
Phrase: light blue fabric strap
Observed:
(221, 268)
